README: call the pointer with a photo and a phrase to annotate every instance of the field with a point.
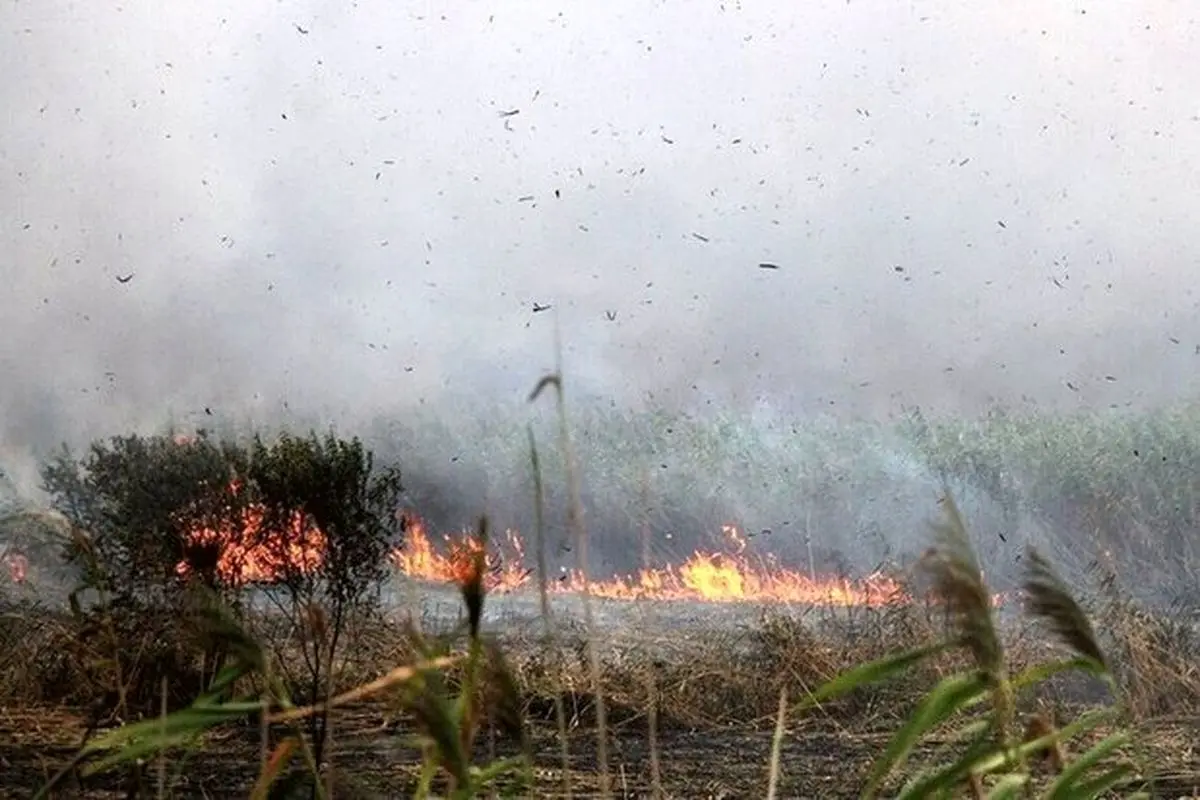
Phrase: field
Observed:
(691, 686)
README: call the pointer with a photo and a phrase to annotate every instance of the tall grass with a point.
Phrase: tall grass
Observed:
(1080, 487)
(991, 759)
(1039, 481)
(458, 685)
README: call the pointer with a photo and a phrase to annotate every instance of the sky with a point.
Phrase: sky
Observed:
(354, 208)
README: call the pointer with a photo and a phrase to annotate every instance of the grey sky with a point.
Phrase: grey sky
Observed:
(334, 217)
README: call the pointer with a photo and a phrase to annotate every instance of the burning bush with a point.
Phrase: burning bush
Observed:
(162, 510)
(156, 516)
(139, 499)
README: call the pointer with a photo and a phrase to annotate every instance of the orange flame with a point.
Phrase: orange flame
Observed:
(247, 553)
(714, 577)
(419, 559)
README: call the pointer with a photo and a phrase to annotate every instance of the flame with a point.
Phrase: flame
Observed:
(715, 577)
(246, 553)
(249, 553)
(421, 560)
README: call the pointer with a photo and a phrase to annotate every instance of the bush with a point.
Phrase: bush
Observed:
(141, 500)
(307, 521)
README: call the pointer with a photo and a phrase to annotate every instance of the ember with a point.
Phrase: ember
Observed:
(18, 567)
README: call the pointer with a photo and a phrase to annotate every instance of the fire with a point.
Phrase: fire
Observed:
(248, 553)
(420, 559)
(715, 577)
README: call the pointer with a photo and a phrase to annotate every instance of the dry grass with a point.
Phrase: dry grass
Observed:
(719, 690)
(714, 712)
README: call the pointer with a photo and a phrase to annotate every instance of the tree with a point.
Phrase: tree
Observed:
(140, 500)
(326, 495)
(310, 520)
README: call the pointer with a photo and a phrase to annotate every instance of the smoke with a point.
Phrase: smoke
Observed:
(339, 211)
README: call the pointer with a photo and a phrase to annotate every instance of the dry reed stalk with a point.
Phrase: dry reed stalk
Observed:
(777, 745)
(395, 676)
(576, 525)
(560, 715)
(656, 789)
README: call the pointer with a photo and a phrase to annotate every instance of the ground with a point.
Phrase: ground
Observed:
(824, 753)
(820, 758)
(727, 763)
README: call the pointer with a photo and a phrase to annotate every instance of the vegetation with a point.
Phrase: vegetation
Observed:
(198, 676)
(1120, 483)
(174, 524)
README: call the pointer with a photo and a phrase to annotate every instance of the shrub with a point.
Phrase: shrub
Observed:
(307, 521)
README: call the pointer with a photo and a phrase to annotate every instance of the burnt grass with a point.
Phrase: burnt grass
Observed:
(711, 674)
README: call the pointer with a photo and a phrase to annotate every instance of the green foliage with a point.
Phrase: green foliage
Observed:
(157, 518)
(138, 498)
(142, 499)
(334, 484)
(307, 485)
(1080, 485)
(1124, 478)
(1119, 476)
(990, 759)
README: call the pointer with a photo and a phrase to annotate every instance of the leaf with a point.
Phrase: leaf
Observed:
(1102, 784)
(1009, 786)
(425, 781)
(279, 759)
(971, 734)
(437, 718)
(398, 675)
(997, 758)
(165, 731)
(219, 625)
(137, 750)
(484, 777)
(942, 779)
(225, 679)
(871, 672)
(1041, 672)
(1064, 784)
(943, 700)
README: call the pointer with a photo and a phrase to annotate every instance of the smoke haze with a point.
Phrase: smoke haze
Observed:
(347, 209)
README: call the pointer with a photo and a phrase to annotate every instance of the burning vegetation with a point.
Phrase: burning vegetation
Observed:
(243, 548)
(262, 529)
(247, 551)
(711, 576)
(311, 517)
(236, 540)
